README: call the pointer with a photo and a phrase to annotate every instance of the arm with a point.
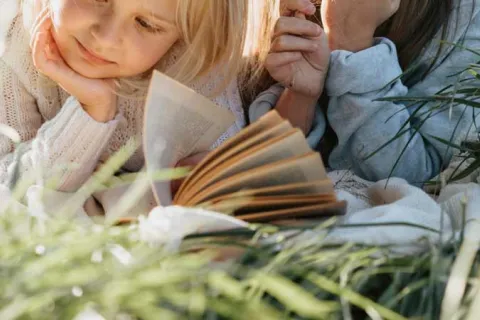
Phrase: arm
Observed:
(299, 109)
(298, 60)
(66, 148)
(269, 99)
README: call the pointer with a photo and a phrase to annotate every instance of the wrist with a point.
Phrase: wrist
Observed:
(298, 108)
(102, 113)
(302, 98)
(357, 42)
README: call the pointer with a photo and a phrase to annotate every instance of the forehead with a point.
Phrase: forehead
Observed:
(164, 9)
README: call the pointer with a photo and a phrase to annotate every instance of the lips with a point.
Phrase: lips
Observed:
(91, 56)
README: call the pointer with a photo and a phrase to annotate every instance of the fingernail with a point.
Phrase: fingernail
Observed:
(310, 8)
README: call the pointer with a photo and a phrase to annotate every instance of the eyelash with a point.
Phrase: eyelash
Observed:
(146, 26)
(99, 1)
(140, 22)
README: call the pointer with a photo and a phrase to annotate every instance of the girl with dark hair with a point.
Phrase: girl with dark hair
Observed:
(376, 49)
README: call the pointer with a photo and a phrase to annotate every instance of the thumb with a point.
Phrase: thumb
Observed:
(300, 15)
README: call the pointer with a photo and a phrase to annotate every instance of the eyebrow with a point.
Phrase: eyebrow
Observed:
(158, 17)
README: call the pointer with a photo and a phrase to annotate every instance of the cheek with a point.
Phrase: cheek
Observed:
(146, 53)
(69, 16)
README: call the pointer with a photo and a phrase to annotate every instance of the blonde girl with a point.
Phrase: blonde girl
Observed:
(66, 61)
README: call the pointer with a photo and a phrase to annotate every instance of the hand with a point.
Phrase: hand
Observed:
(299, 55)
(96, 95)
(350, 25)
(191, 161)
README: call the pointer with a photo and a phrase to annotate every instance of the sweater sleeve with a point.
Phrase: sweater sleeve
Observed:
(363, 124)
(65, 149)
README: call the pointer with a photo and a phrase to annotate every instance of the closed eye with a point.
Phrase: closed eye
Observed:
(147, 26)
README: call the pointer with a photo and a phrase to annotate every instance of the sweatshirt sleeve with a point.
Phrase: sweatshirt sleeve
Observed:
(65, 148)
(363, 124)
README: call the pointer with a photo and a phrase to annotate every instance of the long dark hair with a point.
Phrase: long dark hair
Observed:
(414, 26)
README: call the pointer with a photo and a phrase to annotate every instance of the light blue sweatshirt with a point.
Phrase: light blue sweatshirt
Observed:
(363, 124)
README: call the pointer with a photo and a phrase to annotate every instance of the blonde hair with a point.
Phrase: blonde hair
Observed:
(231, 37)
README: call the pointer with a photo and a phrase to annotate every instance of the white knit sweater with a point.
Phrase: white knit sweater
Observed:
(55, 130)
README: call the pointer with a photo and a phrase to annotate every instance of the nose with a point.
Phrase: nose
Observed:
(107, 32)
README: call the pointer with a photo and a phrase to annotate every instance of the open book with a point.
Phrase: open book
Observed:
(264, 173)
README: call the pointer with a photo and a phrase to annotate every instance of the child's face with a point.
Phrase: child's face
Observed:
(113, 38)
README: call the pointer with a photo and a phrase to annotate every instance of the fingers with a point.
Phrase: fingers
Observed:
(296, 34)
(41, 41)
(293, 43)
(52, 48)
(186, 162)
(279, 59)
(175, 185)
(41, 16)
(47, 59)
(192, 160)
(300, 15)
(38, 51)
(297, 26)
(42, 23)
(290, 6)
(44, 48)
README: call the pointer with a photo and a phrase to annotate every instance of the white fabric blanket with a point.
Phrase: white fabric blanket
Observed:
(405, 216)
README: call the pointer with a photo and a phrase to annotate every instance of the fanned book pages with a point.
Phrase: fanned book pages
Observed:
(266, 172)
